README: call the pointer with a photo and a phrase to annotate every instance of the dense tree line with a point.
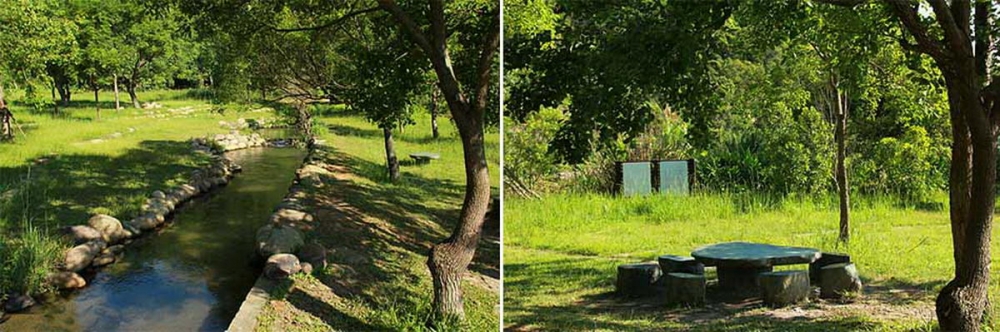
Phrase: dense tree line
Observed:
(95, 45)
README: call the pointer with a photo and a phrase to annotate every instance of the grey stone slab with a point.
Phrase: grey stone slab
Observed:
(746, 254)
(637, 178)
(674, 177)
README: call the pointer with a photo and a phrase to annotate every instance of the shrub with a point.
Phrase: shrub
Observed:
(527, 160)
(903, 166)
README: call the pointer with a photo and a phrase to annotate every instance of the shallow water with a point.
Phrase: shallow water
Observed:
(191, 276)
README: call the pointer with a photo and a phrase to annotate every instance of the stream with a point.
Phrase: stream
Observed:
(192, 275)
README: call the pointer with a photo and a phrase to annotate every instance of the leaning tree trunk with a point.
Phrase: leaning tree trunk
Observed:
(962, 301)
(840, 135)
(118, 106)
(449, 259)
(434, 118)
(391, 162)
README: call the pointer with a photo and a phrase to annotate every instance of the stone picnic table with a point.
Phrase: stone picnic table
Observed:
(424, 157)
(738, 263)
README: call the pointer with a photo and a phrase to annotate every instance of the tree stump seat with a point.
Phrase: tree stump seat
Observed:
(783, 288)
(637, 280)
(424, 157)
(839, 280)
(825, 259)
(682, 264)
(685, 289)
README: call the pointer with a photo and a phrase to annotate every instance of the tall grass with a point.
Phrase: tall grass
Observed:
(28, 253)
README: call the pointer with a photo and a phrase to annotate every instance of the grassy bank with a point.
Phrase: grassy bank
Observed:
(380, 233)
(66, 166)
(561, 252)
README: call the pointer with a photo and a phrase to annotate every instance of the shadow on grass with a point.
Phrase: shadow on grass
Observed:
(380, 234)
(66, 189)
(346, 130)
(330, 315)
(607, 311)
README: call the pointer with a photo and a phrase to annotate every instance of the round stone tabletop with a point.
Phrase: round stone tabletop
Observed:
(745, 254)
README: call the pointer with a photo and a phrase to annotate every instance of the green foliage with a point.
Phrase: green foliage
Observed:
(384, 76)
(526, 149)
(902, 166)
(668, 47)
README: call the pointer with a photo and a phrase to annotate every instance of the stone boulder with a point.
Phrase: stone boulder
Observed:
(277, 239)
(103, 259)
(158, 208)
(114, 250)
(109, 227)
(18, 302)
(313, 254)
(311, 175)
(132, 229)
(148, 221)
(83, 234)
(291, 204)
(281, 266)
(289, 216)
(158, 195)
(306, 267)
(66, 280)
(81, 256)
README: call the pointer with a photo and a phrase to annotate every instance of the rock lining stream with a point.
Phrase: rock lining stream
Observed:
(192, 275)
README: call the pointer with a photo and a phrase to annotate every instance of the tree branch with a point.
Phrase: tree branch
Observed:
(954, 35)
(331, 23)
(408, 24)
(490, 46)
(438, 24)
(908, 16)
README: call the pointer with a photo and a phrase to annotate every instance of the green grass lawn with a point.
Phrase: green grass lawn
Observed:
(67, 166)
(561, 254)
(385, 229)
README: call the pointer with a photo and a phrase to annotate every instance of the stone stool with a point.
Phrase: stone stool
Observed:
(836, 280)
(636, 280)
(685, 288)
(782, 288)
(682, 264)
(827, 258)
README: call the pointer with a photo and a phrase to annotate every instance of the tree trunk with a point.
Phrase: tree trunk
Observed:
(449, 259)
(55, 102)
(118, 106)
(130, 87)
(391, 162)
(97, 103)
(840, 135)
(961, 303)
(434, 119)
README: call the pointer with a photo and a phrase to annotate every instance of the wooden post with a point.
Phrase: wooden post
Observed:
(117, 105)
